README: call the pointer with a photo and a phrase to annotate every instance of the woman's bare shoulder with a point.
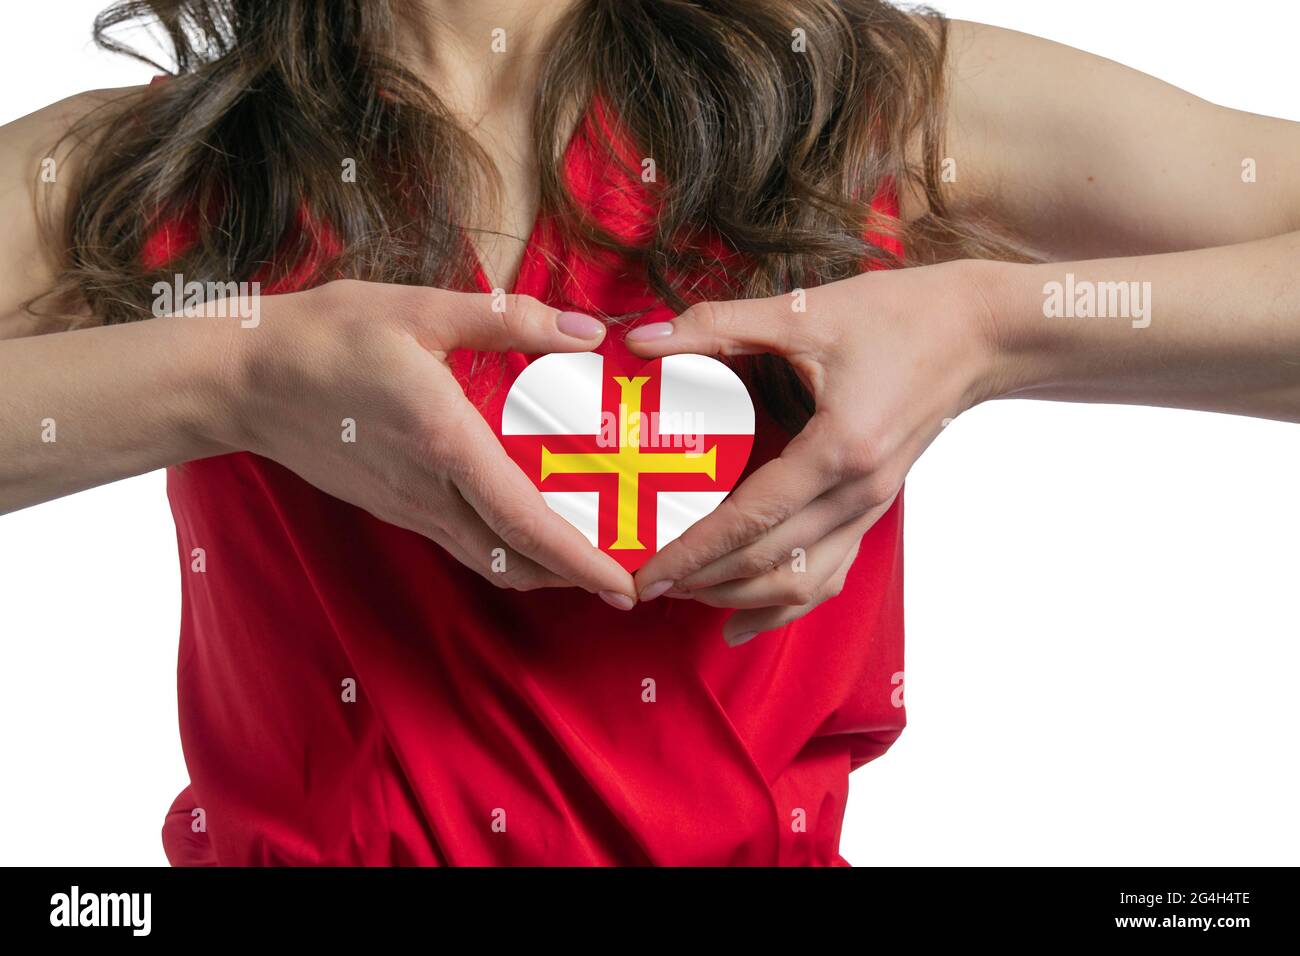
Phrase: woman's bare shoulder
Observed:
(25, 143)
(39, 154)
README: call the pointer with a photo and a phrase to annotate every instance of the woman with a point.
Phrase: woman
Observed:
(392, 651)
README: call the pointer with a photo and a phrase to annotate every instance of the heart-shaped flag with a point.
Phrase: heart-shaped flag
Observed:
(631, 455)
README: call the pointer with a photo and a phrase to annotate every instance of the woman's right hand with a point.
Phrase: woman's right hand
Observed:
(422, 458)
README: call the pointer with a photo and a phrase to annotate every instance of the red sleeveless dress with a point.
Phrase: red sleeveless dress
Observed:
(498, 727)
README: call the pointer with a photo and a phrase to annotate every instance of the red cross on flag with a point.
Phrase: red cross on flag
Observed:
(631, 455)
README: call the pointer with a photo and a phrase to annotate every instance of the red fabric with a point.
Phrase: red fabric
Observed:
(476, 705)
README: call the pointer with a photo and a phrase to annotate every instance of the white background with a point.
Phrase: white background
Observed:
(1102, 602)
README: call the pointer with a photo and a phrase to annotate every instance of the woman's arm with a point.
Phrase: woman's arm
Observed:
(88, 407)
(1075, 157)
(1080, 157)
(81, 408)
(84, 408)
(892, 357)
(1219, 329)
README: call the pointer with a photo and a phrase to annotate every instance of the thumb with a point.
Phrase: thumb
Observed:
(735, 327)
(513, 323)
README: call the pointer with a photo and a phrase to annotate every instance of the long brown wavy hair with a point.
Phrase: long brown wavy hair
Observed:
(775, 146)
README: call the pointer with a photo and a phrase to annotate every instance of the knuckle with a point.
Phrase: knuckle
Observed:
(798, 592)
(514, 315)
(878, 487)
(520, 321)
(731, 529)
(856, 458)
(753, 563)
(523, 311)
(687, 556)
(520, 530)
(749, 523)
(710, 318)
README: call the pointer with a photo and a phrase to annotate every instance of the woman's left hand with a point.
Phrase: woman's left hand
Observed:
(889, 357)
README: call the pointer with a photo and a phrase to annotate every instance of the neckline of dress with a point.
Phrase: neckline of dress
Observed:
(528, 262)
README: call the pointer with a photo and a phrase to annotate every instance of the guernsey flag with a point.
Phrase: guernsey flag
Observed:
(631, 456)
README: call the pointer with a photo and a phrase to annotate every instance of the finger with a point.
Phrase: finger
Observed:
(736, 327)
(778, 489)
(505, 323)
(794, 583)
(512, 507)
(744, 626)
(474, 545)
(844, 505)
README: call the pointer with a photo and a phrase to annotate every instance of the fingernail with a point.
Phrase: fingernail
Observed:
(735, 640)
(648, 333)
(656, 589)
(578, 325)
(617, 599)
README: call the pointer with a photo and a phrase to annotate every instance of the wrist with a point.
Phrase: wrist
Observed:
(224, 352)
(1007, 299)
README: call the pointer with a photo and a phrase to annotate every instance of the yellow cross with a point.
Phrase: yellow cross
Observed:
(629, 462)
